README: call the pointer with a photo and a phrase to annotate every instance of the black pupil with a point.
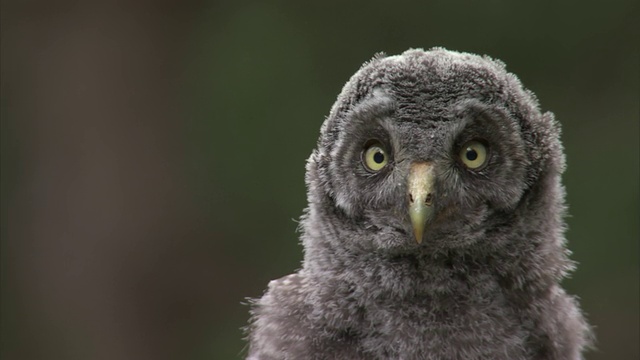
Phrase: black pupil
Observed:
(378, 157)
(471, 154)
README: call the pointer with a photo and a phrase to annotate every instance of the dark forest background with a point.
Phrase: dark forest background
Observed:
(153, 155)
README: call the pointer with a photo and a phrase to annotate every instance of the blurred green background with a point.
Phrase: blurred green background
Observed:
(153, 155)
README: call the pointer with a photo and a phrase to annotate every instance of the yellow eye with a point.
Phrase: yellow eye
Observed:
(375, 157)
(473, 154)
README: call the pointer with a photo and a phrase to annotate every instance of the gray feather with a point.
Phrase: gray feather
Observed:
(484, 284)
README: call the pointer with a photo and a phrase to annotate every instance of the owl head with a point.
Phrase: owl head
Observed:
(430, 151)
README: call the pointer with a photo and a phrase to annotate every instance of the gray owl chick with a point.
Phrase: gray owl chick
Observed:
(435, 224)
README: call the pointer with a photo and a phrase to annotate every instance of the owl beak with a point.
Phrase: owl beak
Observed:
(420, 197)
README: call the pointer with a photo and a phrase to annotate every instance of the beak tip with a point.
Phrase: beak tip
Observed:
(418, 235)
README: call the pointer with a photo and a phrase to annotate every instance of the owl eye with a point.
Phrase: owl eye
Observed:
(473, 154)
(374, 157)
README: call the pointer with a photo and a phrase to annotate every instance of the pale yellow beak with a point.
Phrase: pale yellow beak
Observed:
(420, 197)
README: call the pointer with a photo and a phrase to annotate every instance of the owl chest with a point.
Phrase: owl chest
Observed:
(465, 320)
(439, 333)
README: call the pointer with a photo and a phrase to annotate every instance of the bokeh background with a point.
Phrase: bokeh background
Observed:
(153, 155)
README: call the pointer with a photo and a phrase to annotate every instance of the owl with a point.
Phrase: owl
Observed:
(435, 223)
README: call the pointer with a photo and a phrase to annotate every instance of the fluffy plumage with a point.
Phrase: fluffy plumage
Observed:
(484, 282)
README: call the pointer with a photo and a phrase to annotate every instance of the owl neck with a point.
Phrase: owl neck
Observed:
(378, 275)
